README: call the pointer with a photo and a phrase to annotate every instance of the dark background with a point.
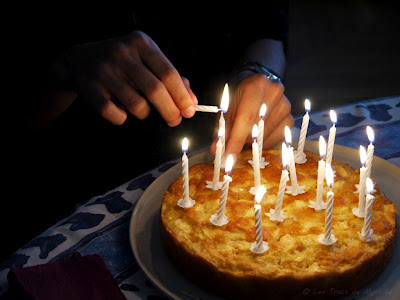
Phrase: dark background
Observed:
(338, 52)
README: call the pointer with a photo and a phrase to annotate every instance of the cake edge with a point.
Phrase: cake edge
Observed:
(207, 276)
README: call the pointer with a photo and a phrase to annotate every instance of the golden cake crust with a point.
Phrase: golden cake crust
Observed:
(220, 257)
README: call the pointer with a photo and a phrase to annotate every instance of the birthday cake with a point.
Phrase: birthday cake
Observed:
(296, 263)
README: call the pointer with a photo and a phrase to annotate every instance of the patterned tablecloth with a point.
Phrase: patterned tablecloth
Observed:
(101, 224)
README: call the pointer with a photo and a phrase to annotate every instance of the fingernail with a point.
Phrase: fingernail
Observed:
(189, 112)
(175, 123)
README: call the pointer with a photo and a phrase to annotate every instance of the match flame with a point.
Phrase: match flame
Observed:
(285, 156)
(307, 105)
(229, 164)
(322, 147)
(288, 136)
(254, 132)
(329, 176)
(370, 186)
(185, 145)
(333, 116)
(263, 110)
(225, 99)
(363, 156)
(260, 194)
(370, 133)
(221, 132)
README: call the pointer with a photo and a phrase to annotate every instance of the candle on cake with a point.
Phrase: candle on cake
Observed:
(256, 162)
(370, 150)
(327, 238)
(223, 108)
(295, 188)
(300, 156)
(186, 201)
(360, 210)
(331, 138)
(367, 234)
(220, 219)
(215, 184)
(260, 139)
(318, 204)
(259, 246)
(276, 215)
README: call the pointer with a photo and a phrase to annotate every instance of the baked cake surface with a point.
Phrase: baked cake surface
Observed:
(220, 258)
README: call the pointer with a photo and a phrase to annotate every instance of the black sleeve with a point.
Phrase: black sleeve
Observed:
(262, 21)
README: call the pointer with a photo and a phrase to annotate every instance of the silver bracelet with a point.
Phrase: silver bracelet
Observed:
(261, 69)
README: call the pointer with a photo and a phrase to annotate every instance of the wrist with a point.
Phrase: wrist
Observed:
(259, 68)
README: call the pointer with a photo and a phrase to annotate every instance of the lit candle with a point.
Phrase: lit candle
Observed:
(360, 210)
(215, 184)
(220, 219)
(256, 162)
(300, 156)
(186, 201)
(260, 139)
(370, 150)
(327, 238)
(367, 234)
(318, 204)
(206, 108)
(223, 108)
(331, 139)
(276, 215)
(294, 189)
(259, 246)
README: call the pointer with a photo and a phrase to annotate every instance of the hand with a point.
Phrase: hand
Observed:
(134, 70)
(243, 113)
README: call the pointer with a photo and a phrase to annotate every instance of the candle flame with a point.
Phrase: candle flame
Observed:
(185, 145)
(370, 133)
(288, 136)
(254, 132)
(363, 155)
(322, 147)
(285, 156)
(307, 105)
(263, 110)
(260, 194)
(333, 116)
(370, 186)
(225, 99)
(229, 164)
(221, 132)
(329, 176)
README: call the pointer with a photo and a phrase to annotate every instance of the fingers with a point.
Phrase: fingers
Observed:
(134, 70)
(170, 85)
(278, 134)
(246, 117)
(279, 112)
(154, 91)
(192, 95)
(251, 93)
(119, 87)
(100, 100)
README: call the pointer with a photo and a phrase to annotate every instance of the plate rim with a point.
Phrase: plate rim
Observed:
(192, 161)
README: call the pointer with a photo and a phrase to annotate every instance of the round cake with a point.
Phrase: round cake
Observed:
(296, 263)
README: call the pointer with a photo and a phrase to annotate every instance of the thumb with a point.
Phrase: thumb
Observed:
(186, 83)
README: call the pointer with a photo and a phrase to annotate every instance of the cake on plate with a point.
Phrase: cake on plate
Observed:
(219, 257)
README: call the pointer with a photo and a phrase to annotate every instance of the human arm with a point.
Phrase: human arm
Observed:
(131, 68)
(250, 91)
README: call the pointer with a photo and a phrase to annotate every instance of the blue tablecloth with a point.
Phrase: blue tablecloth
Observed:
(101, 224)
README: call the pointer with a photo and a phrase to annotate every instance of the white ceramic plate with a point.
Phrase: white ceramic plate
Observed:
(149, 252)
